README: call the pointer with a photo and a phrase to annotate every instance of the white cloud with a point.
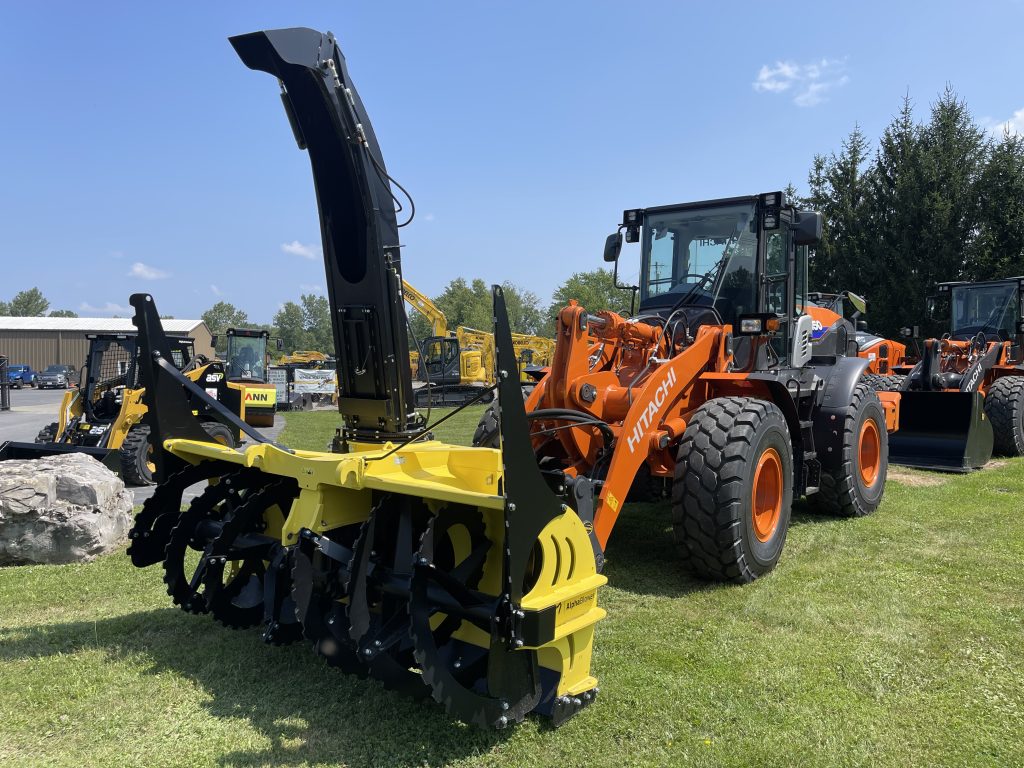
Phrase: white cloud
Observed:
(428, 217)
(311, 288)
(215, 290)
(146, 272)
(295, 248)
(1015, 125)
(809, 83)
(107, 309)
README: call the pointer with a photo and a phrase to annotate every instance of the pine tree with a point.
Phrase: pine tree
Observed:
(998, 248)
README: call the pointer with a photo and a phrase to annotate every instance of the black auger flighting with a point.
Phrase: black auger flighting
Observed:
(440, 570)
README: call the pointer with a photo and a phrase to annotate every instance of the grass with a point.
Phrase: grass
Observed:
(893, 640)
(314, 430)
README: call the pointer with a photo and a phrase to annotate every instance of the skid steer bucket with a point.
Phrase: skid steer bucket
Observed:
(14, 451)
(947, 431)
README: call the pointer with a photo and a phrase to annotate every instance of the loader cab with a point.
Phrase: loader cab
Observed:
(993, 308)
(720, 261)
(247, 354)
(110, 373)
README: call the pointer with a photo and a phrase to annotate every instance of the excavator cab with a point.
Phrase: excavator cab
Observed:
(440, 358)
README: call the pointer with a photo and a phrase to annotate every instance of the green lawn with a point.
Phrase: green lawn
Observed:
(893, 640)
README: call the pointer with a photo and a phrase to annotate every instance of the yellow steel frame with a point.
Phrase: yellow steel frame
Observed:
(335, 489)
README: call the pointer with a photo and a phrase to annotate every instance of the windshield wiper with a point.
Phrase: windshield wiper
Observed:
(726, 255)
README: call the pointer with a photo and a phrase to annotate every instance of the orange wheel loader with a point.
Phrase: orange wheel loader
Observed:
(964, 398)
(716, 387)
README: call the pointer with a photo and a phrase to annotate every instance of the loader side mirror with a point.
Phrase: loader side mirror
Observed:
(937, 307)
(859, 302)
(909, 332)
(807, 230)
(280, 345)
(213, 340)
(613, 247)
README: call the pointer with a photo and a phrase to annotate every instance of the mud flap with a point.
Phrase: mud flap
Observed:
(946, 431)
(13, 450)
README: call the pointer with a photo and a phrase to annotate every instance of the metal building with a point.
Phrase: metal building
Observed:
(42, 341)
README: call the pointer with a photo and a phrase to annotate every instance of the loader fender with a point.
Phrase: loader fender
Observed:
(840, 381)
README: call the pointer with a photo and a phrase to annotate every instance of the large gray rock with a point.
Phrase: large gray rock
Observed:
(60, 509)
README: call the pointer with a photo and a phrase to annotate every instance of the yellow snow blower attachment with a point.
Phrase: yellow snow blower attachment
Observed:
(438, 569)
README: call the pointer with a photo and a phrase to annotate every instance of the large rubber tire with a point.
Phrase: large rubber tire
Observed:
(219, 433)
(1004, 406)
(47, 434)
(853, 483)
(486, 434)
(729, 519)
(136, 468)
(882, 383)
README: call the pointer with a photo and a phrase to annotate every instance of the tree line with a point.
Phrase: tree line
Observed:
(470, 304)
(930, 201)
(31, 303)
(306, 324)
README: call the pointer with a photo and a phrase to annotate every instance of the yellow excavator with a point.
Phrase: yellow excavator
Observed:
(452, 366)
(304, 357)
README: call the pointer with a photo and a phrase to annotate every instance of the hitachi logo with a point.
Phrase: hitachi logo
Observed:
(645, 420)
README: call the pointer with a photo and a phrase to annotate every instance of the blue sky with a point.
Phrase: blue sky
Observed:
(137, 153)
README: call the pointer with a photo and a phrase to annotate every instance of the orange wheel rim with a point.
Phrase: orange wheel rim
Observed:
(766, 496)
(869, 452)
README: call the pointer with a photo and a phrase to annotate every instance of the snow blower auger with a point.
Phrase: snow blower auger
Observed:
(713, 389)
(440, 570)
(964, 398)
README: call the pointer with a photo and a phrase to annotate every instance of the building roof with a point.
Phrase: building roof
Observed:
(89, 324)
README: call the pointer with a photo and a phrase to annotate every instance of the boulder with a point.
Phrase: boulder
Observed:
(60, 509)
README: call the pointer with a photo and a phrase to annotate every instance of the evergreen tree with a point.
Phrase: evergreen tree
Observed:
(998, 249)
(895, 282)
(838, 188)
(30, 303)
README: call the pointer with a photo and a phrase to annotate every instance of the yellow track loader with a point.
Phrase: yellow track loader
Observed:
(440, 570)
